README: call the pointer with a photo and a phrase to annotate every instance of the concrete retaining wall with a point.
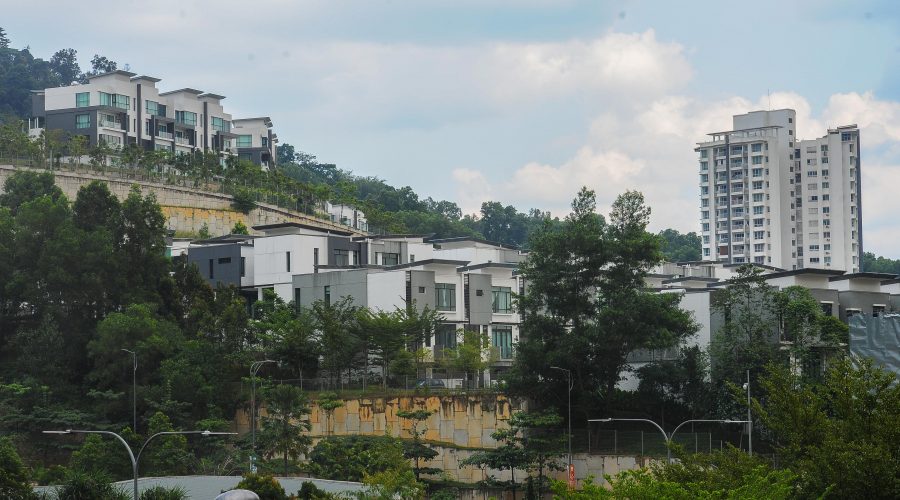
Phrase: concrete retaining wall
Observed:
(186, 209)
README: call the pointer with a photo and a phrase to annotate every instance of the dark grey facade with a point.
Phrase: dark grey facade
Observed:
(218, 264)
(478, 296)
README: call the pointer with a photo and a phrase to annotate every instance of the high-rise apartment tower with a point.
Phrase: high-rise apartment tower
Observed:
(768, 198)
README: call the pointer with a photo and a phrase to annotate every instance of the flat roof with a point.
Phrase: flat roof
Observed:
(299, 225)
(447, 262)
(499, 265)
(891, 282)
(795, 272)
(871, 276)
(691, 278)
(761, 266)
(186, 90)
(148, 78)
(210, 94)
(386, 236)
(129, 74)
(473, 239)
(266, 119)
(228, 238)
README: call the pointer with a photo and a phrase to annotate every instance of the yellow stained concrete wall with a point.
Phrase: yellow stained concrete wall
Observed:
(186, 209)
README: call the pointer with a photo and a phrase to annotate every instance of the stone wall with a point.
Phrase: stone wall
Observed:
(460, 425)
(187, 209)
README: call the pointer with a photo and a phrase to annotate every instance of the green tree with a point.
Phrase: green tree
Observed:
(90, 484)
(680, 247)
(284, 423)
(586, 307)
(471, 356)
(265, 486)
(14, 482)
(328, 402)
(840, 435)
(337, 323)
(532, 443)
(416, 450)
(385, 334)
(64, 64)
(24, 186)
(350, 458)
(239, 228)
(167, 455)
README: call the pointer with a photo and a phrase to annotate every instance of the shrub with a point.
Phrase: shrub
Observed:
(163, 493)
(94, 485)
(266, 486)
(244, 200)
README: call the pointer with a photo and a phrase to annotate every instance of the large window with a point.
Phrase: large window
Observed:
(156, 109)
(82, 99)
(390, 259)
(502, 340)
(502, 299)
(82, 121)
(186, 118)
(115, 100)
(243, 141)
(445, 296)
(342, 257)
(445, 337)
(220, 124)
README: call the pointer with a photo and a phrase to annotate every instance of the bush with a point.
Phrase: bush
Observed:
(351, 458)
(309, 491)
(93, 485)
(244, 200)
(266, 486)
(163, 493)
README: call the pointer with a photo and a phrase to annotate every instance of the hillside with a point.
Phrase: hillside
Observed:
(301, 181)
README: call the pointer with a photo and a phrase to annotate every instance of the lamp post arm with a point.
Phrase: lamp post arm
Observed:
(134, 468)
(166, 433)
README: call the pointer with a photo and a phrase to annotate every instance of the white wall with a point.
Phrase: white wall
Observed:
(387, 290)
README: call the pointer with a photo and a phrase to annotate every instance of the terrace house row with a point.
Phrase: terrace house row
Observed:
(121, 108)
(471, 282)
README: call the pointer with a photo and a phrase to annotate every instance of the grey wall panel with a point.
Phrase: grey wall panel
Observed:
(422, 283)
(480, 306)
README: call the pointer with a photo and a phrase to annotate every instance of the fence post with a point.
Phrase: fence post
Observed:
(696, 438)
(615, 442)
(589, 438)
(642, 443)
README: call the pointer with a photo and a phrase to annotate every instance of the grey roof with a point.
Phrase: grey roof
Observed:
(186, 90)
(501, 265)
(417, 263)
(473, 239)
(795, 272)
(281, 225)
(208, 487)
(873, 276)
(129, 74)
(691, 278)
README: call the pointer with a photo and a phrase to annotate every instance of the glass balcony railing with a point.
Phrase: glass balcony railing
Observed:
(182, 140)
(110, 124)
(164, 135)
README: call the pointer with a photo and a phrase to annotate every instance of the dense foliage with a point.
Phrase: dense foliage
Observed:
(587, 308)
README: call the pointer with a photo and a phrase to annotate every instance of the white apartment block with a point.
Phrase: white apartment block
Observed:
(768, 198)
(121, 108)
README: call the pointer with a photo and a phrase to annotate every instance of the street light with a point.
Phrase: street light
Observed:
(133, 389)
(749, 419)
(254, 368)
(569, 472)
(136, 459)
(667, 437)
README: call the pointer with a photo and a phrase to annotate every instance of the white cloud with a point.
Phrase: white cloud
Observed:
(650, 148)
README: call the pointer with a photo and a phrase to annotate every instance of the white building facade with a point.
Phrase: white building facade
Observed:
(768, 198)
(121, 108)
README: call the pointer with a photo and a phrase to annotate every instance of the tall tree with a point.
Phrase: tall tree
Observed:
(585, 308)
(416, 450)
(284, 424)
(64, 64)
(680, 247)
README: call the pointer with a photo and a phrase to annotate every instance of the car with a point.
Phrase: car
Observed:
(431, 383)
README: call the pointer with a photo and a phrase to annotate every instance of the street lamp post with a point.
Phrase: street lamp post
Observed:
(667, 437)
(136, 459)
(569, 379)
(749, 419)
(254, 368)
(133, 389)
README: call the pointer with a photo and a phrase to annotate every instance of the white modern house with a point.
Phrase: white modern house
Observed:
(121, 108)
(767, 197)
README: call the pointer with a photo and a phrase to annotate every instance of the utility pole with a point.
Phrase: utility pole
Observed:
(133, 389)
(569, 471)
(254, 368)
(749, 419)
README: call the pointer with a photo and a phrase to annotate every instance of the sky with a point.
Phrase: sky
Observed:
(518, 101)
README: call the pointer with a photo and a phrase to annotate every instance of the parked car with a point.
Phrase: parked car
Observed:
(431, 383)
